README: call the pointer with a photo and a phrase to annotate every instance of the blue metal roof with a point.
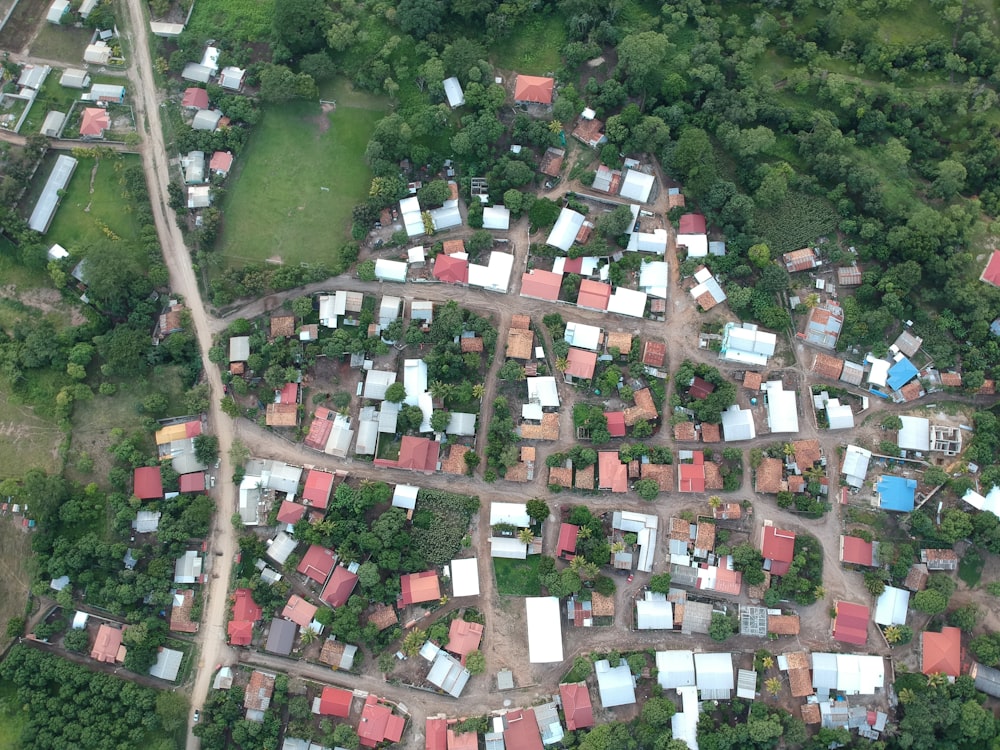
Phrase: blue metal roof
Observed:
(901, 373)
(896, 493)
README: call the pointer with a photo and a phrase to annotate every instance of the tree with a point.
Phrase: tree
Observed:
(898, 634)
(475, 662)
(440, 420)
(413, 641)
(420, 17)
(660, 583)
(874, 583)
(930, 602)
(966, 618)
(772, 685)
(206, 448)
(434, 193)
(892, 422)
(955, 524)
(950, 179)
(395, 393)
(657, 712)
(759, 255)
(647, 489)
(721, 627)
(525, 536)
(345, 736)
(280, 84)
(616, 223)
(537, 509)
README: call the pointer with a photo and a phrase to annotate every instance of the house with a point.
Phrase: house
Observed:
(654, 354)
(851, 623)
(738, 424)
(593, 295)
(180, 612)
(565, 230)
(544, 629)
(852, 674)
(338, 654)
(653, 612)
(99, 53)
(576, 706)
(747, 344)
(333, 702)
(782, 412)
(778, 549)
(653, 279)
(221, 163)
(637, 186)
(187, 568)
(849, 275)
(612, 473)
(246, 613)
(801, 260)
(939, 559)
(769, 476)
(896, 493)
(464, 637)
(108, 647)
(583, 336)
(520, 731)
(199, 196)
(451, 269)
(627, 302)
(856, 551)
(890, 608)
(839, 416)
(692, 235)
(168, 664)
(340, 586)
(193, 167)
(453, 92)
(146, 522)
(828, 366)
(989, 503)
(914, 435)
(415, 454)
(258, 694)
(147, 483)
(95, 121)
(714, 675)
(496, 217)
(580, 365)
(589, 130)
(691, 476)
(317, 563)
(378, 724)
(390, 270)
(465, 577)
(281, 636)
(855, 465)
(707, 292)
(166, 30)
(566, 546)
(495, 275)
(645, 527)
(231, 78)
(206, 119)
(615, 684)
(57, 11)
(533, 90)
(418, 587)
(991, 274)
(823, 325)
(941, 653)
(195, 97)
(675, 669)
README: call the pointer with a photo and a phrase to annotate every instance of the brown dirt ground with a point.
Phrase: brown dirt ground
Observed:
(14, 578)
(46, 300)
(22, 25)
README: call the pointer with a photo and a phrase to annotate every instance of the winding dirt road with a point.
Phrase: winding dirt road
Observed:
(222, 538)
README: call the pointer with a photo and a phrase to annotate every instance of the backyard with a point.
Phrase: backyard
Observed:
(291, 195)
(57, 98)
(518, 577)
(534, 50)
(64, 43)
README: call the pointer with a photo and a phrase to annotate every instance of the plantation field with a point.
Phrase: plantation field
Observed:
(799, 221)
(290, 197)
(233, 20)
(14, 584)
(84, 212)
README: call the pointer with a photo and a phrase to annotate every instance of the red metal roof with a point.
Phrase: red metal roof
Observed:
(581, 364)
(419, 587)
(464, 638)
(691, 477)
(779, 548)
(692, 224)
(319, 430)
(193, 482)
(290, 512)
(567, 539)
(464, 741)
(522, 731)
(541, 284)
(222, 161)
(851, 624)
(339, 589)
(612, 473)
(436, 734)
(654, 353)
(616, 423)
(593, 294)
(577, 706)
(240, 632)
(573, 265)
(244, 607)
(147, 483)
(317, 563)
(450, 269)
(534, 89)
(299, 611)
(420, 454)
(95, 121)
(319, 484)
(991, 274)
(335, 702)
(856, 551)
(289, 394)
(700, 388)
(195, 98)
(942, 652)
(378, 724)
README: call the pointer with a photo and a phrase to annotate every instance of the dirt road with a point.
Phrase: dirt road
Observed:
(222, 539)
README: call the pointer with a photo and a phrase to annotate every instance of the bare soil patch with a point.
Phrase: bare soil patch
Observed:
(14, 577)
(23, 24)
(46, 300)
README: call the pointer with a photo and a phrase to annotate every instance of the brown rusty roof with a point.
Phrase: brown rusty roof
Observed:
(684, 431)
(282, 325)
(517, 473)
(585, 478)
(828, 366)
(644, 408)
(471, 344)
(522, 322)
(621, 341)
(710, 433)
(662, 474)
(911, 391)
(713, 476)
(654, 353)
(561, 476)
(282, 415)
(807, 453)
(769, 475)
(811, 713)
(783, 624)
(383, 616)
(455, 463)
(602, 606)
(705, 537)
(547, 430)
(753, 380)
(520, 343)
(951, 379)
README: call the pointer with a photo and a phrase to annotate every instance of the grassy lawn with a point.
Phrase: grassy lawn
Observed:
(534, 50)
(518, 577)
(970, 567)
(14, 584)
(83, 214)
(15, 274)
(27, 441)
(235, 20)
(12, 719)
(275, 207)
(58, 98)
(61, 43)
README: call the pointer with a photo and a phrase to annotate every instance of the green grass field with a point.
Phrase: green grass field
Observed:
(235, 20)
(14, 273)
(82, 215)
(534, 49)
(518, 577)
(275, 207)
(12, 720)
(64, 43)
(26, 439)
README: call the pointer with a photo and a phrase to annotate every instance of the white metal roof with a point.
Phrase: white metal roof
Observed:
(146, 521)
(453, 90)
(653, 278)
(239, 348)
(515, 514)
(738, 424)
(496, 275)
(782, 413)
(405, 496)
(563, 234)
(465, 577)
(508, 547)
(496, 217)
(696, 244)
(367, 433)
(626, 520)
(390, 270)
(416, 254)
(461, 423)
(281, 547)
(654, 614)
(637, 185)
(544, 629)
(748, 344)
(856, 465)
(648, 242)
(582, 336)
(684, 724)
(675, 669)
(915, 434)
(879, 374)
(231, 77)
(854, 674)
(990, 503)
(715, 675)
(447, 216)
(168, 663)
(376, 383)
(414, 380)
(615, 684)
(187, 567)
(543, 390)
(57, 181)
(389, 309)
(627, 302)
(710, 285)
(409, 210)
(206, 119)
(448, 674)
(531, 411)
(839, 416)
(647, 548)
(890, 608)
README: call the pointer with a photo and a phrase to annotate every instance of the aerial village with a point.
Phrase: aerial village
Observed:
(524, 483)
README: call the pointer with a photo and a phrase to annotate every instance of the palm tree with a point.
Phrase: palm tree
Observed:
(584, 533)
(307, 636)
(906, 695)
(767, 662)
(440, 390)
(893, 634)
(478, 391)
(562, 363)
(525, 536)
(788, 449)
(819, 592)
(773, 685)
(815, 473)
(617, 547)
(714, 502)
(936, 680)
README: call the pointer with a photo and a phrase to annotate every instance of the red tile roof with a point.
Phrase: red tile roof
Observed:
(240, 632)
(335, 702)
(193, 482)
(320, 429)
(581, 364)
(654, 353)
(616, 423)
(95, 121)
(522, 730)
(419, 454)
(419, 587)
(942, 652)
(593, 294)
(692, 224)
(612, 473)
(148, 484)
(317, 563)
(851, 623)
(991, 274)
(464, 638)
(244, 607)
(541, 284)
(221, 161)
(195, 98)
(855, 551)
(451, 270)
(567, 539)
(289, 394)
(339, 589)
(534, 89)
(577, 706)
(299, 611)
(378, 723)
(107, 645)
(319, 484)
(779, 548)
(436, 734)
(800, 260)
(290, 512)
(828, 366)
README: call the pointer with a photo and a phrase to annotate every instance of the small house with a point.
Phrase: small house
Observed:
(231, 78)
(453, 92)
(57, 11)
(74, 78)
(98, 53)
(533, 90)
